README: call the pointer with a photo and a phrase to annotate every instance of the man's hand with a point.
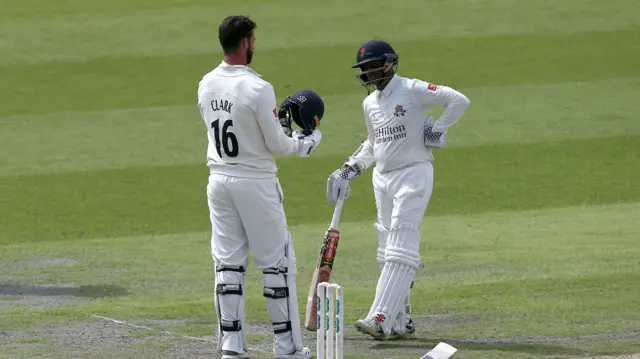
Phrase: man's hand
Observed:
(338, 183)
(285, 122)
(307, 143)
(434, 139)
(432, 136)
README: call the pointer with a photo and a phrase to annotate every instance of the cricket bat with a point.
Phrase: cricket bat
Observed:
(324, 266)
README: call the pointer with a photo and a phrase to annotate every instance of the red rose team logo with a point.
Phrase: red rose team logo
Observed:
(399, 111)
(432, 87)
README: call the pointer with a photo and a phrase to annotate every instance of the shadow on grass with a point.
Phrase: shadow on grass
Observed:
(83, 291)
(427, 344)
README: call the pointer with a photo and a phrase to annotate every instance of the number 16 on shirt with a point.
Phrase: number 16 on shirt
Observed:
(224, 138)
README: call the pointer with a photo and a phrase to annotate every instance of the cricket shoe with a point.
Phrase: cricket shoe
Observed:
(372, 328)
(305, 353)
(230, 354)
(410, 329)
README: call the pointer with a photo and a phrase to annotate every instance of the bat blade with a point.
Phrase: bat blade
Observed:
(324, 266)
(322, 273)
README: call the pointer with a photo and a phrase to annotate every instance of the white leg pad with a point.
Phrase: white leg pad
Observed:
(400, 325)
(229, 302)
(282, 302)
(383, 234)
(402, 259)
(403, 316)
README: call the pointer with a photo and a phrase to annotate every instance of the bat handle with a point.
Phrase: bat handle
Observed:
(336, 214)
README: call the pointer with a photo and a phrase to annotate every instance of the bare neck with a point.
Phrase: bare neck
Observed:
(235, 59)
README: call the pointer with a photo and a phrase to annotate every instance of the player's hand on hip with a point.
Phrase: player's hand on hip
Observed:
(338, 186)
(434, 139)
(308, 143)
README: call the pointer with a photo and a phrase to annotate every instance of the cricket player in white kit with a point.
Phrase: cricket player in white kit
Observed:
(244, 194)
(401, 136)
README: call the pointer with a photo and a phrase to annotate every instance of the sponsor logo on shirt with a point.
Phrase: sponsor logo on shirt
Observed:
(390, 133)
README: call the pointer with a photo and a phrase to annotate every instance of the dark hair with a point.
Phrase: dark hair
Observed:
(233, 29)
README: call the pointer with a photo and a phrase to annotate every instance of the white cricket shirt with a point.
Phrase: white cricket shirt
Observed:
(396, 118)
(239, 111)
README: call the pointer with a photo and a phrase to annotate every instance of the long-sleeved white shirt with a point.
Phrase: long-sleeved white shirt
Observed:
(396, 118)
(239, 110)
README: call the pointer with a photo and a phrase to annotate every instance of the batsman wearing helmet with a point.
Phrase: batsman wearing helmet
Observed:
(401, 136)
(245, 131)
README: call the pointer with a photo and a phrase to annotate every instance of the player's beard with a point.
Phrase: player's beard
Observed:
(249, 55)
(382, 80)
(376, 78)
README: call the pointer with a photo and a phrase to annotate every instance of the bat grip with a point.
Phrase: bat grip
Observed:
(336, 214)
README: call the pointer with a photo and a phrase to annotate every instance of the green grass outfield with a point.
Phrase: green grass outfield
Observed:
(530, 241)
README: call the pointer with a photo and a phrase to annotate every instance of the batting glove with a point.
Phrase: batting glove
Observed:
(307, 143)
(434, 139)
(432, 136)
(285, 122)
(338, 184)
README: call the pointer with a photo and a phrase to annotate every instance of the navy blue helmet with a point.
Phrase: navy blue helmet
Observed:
(378, 62)
(305, 108)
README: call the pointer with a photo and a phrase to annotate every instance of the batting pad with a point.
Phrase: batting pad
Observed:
(401, 262)
(383, 234)
(229, 301)
(282, 302)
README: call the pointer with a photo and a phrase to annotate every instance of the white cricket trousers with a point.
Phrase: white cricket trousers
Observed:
(246, 213)
(402, 195)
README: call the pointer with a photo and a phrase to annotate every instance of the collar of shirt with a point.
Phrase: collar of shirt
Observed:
(242, 68)
(387, 90)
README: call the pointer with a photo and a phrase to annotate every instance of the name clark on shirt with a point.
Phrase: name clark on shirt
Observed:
(221, 105)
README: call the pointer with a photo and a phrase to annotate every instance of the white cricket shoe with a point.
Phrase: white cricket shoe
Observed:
(370, 327)
(230, 354)
(305, 353)
(409, 329)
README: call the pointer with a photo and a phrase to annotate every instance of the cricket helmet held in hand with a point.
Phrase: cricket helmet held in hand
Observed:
(378, 62)
(305, 108)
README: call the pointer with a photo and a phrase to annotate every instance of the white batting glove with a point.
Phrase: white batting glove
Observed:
(434, 139)
(338, 184)
(430, 138)
(307, 143)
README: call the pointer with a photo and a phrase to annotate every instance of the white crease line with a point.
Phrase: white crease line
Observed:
(148, 328)
(163, 331)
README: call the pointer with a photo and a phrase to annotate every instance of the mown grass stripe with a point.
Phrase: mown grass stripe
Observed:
(129, 82)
